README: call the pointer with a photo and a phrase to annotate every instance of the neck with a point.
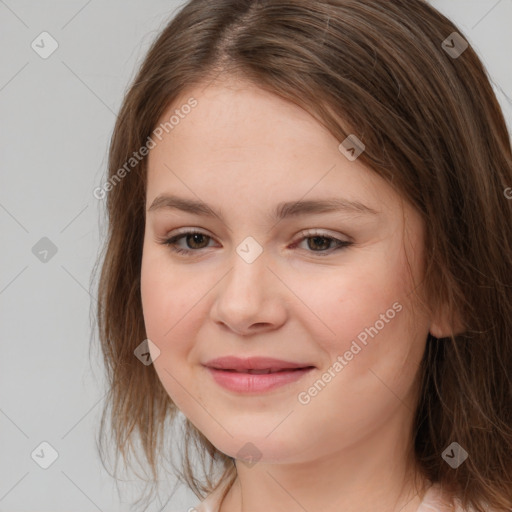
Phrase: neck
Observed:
(377, 473)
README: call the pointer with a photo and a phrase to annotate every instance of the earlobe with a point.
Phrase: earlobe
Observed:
(443, 325)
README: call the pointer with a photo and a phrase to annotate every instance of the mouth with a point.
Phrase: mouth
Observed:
(255, 364)
(266, 371)
(255, 375)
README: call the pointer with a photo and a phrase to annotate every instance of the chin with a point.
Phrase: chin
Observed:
(251, 448)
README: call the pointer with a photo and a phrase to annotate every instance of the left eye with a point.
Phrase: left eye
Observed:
(319, 241)
(315, 241)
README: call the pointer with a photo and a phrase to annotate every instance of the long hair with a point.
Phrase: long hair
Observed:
(432, 128)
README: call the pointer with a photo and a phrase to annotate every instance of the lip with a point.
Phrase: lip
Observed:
(253, 363)
(233, 374)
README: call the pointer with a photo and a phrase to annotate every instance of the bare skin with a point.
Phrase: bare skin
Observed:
(243, 151)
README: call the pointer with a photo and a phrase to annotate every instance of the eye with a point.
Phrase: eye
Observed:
(193, 237)
(316, 241)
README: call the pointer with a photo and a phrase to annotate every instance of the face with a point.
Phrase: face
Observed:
(329, 290)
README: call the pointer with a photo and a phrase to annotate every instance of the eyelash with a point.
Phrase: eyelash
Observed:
(171, 242)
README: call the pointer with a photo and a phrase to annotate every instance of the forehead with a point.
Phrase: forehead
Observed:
(231, 115)
(240, 140)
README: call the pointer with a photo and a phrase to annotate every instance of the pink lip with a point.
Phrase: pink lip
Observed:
(231, 373)
(252, 363)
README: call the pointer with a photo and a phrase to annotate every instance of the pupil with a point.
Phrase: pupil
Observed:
(193, 236)
(317, 238)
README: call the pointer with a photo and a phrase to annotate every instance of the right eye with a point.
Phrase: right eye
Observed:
(192, 238)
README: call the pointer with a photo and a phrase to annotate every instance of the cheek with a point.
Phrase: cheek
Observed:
(355, 299)
(175, 307)
(168, 319)
(367, 320)
(155, 303)
(166, 299)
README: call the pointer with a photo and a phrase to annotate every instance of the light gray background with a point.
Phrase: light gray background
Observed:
(57, 117)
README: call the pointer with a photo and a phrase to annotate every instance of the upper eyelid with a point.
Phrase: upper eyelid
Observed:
(304, 233)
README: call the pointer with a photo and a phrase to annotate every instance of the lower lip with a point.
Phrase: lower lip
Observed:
(256, 382)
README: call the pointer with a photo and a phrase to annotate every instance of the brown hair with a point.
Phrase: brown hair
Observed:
(432, 128)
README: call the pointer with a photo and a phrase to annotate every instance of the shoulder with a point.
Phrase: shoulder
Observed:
(434, 500)
(212, 502)
(438, 500)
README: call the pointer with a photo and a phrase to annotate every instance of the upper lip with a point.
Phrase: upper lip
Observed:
(253, 363)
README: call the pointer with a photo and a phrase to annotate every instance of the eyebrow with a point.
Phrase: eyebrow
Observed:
(282, 210)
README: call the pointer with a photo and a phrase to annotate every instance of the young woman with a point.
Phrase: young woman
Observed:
(310, 232)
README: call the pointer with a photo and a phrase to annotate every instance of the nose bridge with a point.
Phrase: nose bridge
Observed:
(249, 250)
(248, 269)
(246, 296)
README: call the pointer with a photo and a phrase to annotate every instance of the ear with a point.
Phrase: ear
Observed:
(443, 324)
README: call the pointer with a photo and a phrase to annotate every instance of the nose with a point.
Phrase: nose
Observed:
(250, 299)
